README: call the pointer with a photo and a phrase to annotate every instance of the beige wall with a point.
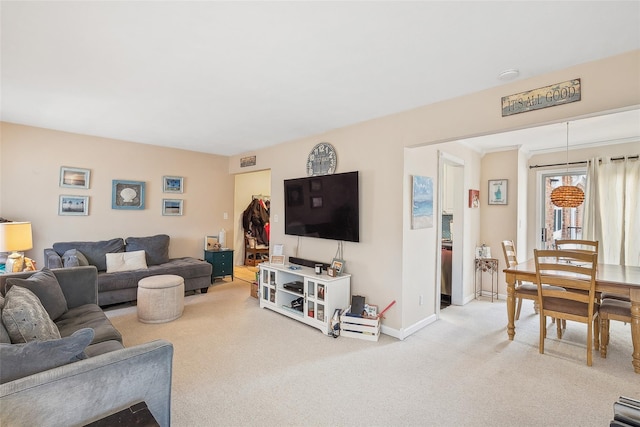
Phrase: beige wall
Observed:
(31, 161)
(499, 222)
(392, 262)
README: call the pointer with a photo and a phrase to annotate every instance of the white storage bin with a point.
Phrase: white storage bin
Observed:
(364, 328)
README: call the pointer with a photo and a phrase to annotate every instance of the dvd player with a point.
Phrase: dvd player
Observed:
(296, 286)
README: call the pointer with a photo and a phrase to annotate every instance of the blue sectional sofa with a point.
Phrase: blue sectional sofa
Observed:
(84, 374)
(122, 286)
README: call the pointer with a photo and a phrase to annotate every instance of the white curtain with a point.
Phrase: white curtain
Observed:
(612, 210)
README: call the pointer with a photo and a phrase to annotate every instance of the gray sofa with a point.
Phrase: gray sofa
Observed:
(107, 378)
(122, 286)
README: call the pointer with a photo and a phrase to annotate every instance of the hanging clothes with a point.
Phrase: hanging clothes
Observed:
(254, 219)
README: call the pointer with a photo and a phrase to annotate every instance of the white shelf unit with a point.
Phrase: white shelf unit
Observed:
(321, 294)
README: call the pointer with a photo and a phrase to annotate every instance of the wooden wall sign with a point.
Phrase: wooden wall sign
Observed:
(247, 161)
(548, 96)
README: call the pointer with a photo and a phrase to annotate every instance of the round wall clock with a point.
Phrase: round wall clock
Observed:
(322, 160)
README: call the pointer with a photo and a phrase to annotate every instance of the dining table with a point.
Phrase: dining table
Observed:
(618, 279)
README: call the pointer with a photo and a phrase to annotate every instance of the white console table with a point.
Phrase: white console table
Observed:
(321, 294)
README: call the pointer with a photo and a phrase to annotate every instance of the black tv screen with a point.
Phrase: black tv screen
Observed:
(323, 206)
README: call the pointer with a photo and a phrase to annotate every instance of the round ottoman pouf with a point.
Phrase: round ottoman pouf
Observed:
(160, 298)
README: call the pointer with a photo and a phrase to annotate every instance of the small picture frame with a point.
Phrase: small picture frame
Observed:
(371, 310)
(474, 198)
(172, 207)
(498, 191)
(331, 272)
(338, 265)
(172, 184)
(483, 252)
(74, 177)
(211, 243)
(73, 205)
(127, 194)
(277, 259)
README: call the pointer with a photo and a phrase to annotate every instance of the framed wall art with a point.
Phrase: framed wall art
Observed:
(498, 191)
(73, 205)
(172, 184)
(127, 194)
(421, 202)
(474, 198)
(74, 177)
(172, 207)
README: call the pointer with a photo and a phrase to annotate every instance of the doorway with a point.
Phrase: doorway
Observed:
(247, 187)
(450, 229)
(559, 223)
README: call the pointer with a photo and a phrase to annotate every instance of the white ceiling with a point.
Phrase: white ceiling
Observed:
(612, 128)
(231, 77)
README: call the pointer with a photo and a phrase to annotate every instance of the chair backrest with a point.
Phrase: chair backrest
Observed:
(575, 271)
(589, 246)
(509, 251)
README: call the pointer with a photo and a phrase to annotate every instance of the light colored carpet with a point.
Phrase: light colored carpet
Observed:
(238, 365)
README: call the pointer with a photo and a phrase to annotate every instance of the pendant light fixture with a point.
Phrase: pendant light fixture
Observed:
(567, 196)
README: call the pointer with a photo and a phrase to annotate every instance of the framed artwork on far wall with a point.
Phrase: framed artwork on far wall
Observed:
(172, 207)
(172, 184)
(474, 198)
(73, 205)
(74, 177)
(127, 194)
(498, 191)
(422, 202)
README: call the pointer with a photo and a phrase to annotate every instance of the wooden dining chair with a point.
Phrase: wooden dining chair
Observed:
(611, 309)
(578, 245)
(588, 246)
(524, 290)
(576, 273)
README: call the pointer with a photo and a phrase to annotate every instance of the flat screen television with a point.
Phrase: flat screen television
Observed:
(323, 206)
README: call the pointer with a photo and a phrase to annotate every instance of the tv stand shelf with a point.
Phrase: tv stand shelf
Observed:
(321, 294)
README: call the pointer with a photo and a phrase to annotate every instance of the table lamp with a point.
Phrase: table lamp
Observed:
(15, 237)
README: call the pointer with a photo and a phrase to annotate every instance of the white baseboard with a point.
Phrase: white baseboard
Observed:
(404, 333)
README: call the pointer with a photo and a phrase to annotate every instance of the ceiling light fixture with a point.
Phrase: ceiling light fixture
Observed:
(567, 196)
(509, 74)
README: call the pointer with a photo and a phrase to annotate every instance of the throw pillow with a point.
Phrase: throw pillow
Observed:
(93, 251)
(4, 335)
(20, 360)
(156, 247)
(45, 285)
(74, 258)
(126, 261)
(25, 318)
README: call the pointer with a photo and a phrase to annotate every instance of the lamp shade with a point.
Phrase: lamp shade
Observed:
(567, 196)
(15, 236)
